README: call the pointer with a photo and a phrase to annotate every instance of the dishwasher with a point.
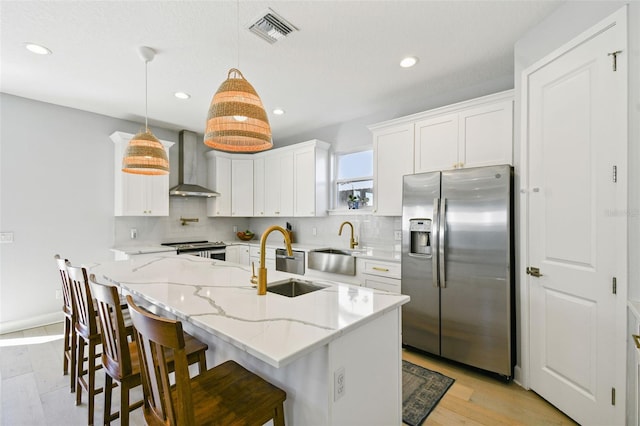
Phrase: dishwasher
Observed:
(292, 264)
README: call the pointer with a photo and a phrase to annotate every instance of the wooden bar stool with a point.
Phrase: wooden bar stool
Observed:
(120, 357)
(227, 394)
(88, 336)
(70, 337)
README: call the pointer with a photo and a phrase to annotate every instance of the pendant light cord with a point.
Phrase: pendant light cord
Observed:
(146, 96)
(238, 34)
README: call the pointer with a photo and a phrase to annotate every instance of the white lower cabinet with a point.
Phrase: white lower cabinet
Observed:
(238, 253)
(380, 275)
(269, 258)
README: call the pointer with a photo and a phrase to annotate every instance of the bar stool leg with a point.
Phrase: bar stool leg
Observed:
(80, 366)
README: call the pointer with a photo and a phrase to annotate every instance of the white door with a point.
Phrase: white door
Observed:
(577, 225)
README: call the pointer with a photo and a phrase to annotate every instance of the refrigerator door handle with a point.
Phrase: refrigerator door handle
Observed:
(442, 225)
(434, 241)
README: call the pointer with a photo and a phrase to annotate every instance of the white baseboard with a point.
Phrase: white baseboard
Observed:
(32, 322)
(517, 377)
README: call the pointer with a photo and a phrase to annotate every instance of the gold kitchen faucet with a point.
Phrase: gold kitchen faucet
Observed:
(352, 243)
(262, 270)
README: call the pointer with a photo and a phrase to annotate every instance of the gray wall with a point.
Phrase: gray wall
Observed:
(56, 196)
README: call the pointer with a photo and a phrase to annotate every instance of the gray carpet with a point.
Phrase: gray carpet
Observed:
(422, 389)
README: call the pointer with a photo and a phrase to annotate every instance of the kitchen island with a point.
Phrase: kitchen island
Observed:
(335, 351)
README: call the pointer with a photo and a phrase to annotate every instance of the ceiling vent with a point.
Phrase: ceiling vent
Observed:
(271, 27)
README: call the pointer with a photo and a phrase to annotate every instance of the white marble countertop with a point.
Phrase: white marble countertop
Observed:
(143, 249)
(218, 297)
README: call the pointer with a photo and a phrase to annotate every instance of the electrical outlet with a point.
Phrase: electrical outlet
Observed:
(397, 235)
(133, 233)
(314, 231)
(235, 229)
(6, 237)
(339, 384)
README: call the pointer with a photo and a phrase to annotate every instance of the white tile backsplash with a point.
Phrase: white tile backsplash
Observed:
(370, 230)
(155, 230)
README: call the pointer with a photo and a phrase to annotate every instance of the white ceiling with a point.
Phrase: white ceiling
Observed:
(341, 65)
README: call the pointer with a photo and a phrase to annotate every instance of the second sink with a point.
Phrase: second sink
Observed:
(293, 287)
(333, 260)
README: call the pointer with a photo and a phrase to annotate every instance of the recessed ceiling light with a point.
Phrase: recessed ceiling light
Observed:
(278, 111)
(37, 49)
(408, 62)
(182, 95)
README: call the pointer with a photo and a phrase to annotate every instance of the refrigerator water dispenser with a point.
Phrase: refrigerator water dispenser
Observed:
(420, 232)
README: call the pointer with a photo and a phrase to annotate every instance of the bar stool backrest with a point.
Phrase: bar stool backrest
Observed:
(156, 338)
(116, 357)
(86, 323)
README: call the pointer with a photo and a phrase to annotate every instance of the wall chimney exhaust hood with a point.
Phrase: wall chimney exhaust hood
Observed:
(187, 167)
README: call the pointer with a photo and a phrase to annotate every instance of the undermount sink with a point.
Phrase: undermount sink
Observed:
(332, 260)
(293, 287)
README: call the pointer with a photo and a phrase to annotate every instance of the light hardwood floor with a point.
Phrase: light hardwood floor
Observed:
(476, 398)
(33, 390)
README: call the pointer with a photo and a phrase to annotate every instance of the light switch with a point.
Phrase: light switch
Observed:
(6, 237)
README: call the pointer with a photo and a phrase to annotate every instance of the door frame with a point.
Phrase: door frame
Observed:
(522, 374)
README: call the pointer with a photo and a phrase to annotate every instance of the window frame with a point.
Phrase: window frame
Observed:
(335, 181)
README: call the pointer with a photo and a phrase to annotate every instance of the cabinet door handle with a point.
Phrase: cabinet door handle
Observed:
(377, 268)
(636, 338)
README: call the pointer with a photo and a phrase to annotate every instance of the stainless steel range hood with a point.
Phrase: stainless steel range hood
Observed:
(187, 168)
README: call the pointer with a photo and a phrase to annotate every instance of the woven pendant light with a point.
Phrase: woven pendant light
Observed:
(237, 120)
(145, 154)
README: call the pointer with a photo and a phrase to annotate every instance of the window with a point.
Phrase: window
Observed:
(354, 180)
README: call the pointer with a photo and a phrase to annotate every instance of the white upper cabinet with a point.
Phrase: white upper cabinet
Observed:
(219, 179)
(311, 179)
(284, 182)
(138, 195)
(436, 143)
(258, 186)
(278, 183)
(473, 133)
(469, 134)
(242, 186)
(486, 134)
(392, 159)
(231, 175)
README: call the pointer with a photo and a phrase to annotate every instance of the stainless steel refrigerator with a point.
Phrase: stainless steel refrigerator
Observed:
(457, 266)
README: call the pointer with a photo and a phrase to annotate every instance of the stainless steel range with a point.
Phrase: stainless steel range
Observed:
(209, 249)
